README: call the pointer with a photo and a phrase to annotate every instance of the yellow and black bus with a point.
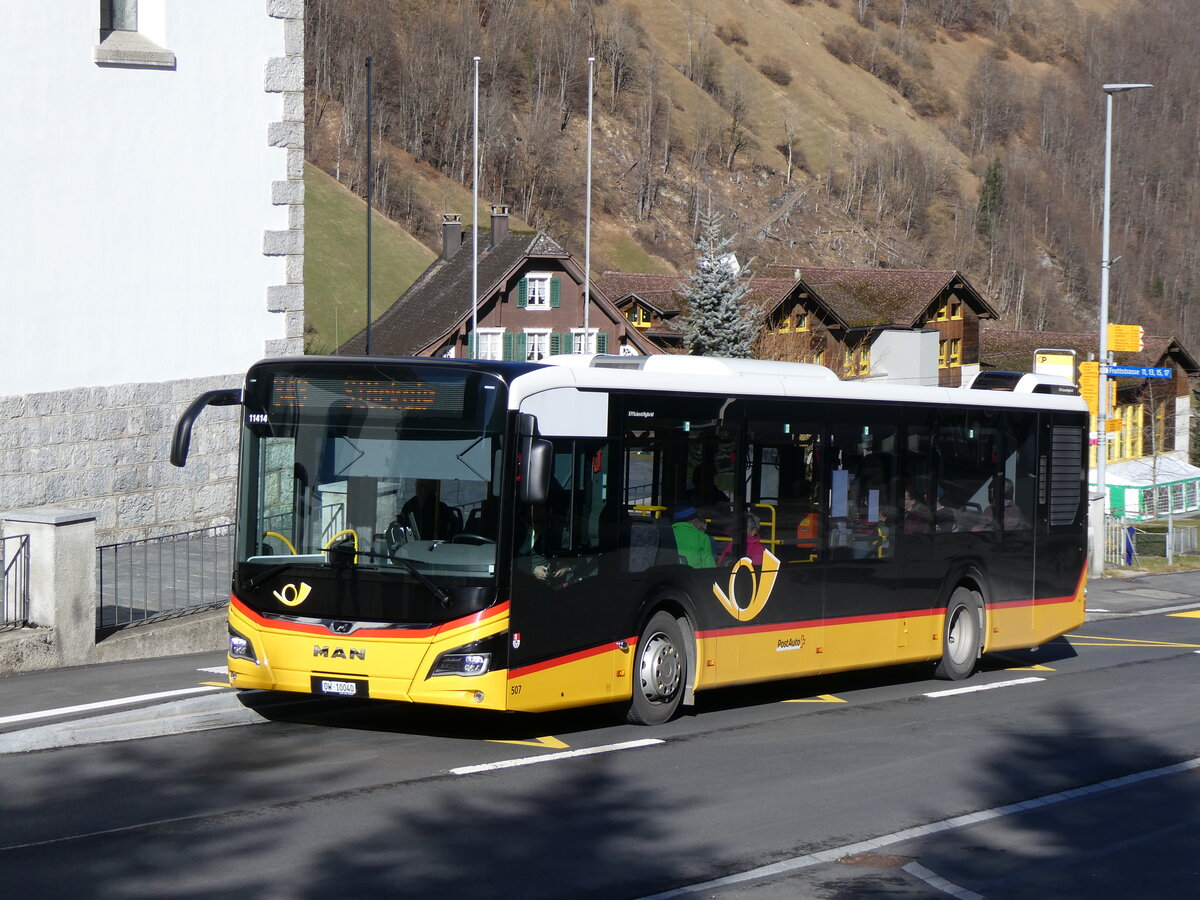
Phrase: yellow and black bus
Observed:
(612, 529)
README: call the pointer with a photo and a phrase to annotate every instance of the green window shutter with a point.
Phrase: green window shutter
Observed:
(508, 345)
(471, 345)
(554, 301)
(519, 352)
(522, 293)
(601, 342)
(556, 344)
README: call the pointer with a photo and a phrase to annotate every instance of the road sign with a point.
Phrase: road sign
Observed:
(1054, 361)
(1126, 338)
(1140, 372)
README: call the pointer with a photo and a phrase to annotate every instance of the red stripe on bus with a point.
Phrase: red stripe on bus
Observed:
(530, 669)
(413, 633)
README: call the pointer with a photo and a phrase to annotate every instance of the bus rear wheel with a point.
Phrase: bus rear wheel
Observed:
(961, 636)
(661, 672)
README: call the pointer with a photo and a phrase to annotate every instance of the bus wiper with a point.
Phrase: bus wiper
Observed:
(431, 585)
(263, 576)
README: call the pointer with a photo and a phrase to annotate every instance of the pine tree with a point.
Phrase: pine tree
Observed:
(991, 200)
(717, 321)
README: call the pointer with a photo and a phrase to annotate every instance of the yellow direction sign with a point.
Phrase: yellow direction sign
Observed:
(1126, 338)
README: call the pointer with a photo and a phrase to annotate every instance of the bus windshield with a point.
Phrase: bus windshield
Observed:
(394, 470)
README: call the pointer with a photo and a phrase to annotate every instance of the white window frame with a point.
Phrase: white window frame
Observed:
(577, 340)
(136, 38)
(537, 339)
(537, 290)
(489, 341)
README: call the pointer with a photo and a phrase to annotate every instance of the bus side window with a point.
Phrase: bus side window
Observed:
(1020, 467)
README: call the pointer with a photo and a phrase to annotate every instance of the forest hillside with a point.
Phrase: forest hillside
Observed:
(963, 134)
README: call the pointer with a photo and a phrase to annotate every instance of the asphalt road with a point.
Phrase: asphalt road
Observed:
(1076, 773)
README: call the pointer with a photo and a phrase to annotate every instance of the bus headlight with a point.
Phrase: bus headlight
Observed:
(240, 646)
(476, 658)
(462, 664)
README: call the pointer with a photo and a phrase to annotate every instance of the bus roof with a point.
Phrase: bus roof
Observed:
(748, 377)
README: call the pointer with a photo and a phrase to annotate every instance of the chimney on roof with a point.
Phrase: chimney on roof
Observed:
(451, 234)
(499, 224)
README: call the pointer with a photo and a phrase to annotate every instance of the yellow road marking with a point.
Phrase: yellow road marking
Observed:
(216, 684)
(548, 743)
(1194, 614)
(1036, 667)
(820, 698)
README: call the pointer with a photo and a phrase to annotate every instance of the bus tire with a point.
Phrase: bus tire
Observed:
(962, 636)
(660, 673)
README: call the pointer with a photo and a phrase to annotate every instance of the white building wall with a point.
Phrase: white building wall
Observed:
(136, 199)
(151, 247)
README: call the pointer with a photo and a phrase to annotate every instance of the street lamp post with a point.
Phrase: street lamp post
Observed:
(1098, 509)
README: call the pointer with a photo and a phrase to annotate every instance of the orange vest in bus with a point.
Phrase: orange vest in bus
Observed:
(806, 532)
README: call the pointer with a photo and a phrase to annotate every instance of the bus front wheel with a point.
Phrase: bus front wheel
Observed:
(962, 636)
(661, 672)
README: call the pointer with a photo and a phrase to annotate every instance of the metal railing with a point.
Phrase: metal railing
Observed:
(14, 581)
(1125, 543)
(141, 581)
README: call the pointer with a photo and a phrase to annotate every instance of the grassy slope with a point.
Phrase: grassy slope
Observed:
(335, 295)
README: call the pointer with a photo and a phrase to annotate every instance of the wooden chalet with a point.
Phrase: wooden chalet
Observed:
(530, 304)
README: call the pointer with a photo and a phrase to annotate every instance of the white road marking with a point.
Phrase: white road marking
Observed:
(814, 859)
(103, 704)
(215, 670)
(937, 882)
(984, 687)
(549, 757)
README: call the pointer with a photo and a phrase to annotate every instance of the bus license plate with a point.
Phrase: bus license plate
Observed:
(338, 687)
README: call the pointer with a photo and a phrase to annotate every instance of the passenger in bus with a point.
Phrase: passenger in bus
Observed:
(691, 538)
(427, 516)
(1011, 518)
(754, 544)
(917, 516)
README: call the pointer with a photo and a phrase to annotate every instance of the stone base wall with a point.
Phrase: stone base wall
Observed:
(107, 449)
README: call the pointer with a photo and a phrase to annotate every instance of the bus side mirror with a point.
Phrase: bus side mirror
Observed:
(536, 463)
(183, 428)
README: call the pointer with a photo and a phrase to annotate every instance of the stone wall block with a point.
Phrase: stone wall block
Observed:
(285, 297)
(285, 192)
(285, 9)
(285, 134)
(284, 73)
(281, 243)
(135, 510)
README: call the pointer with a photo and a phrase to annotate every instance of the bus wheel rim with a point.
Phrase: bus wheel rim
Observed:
(959, 636)
(660, 669)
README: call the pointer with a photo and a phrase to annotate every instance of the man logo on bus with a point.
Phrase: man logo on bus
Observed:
(760, 588)
(292, 595)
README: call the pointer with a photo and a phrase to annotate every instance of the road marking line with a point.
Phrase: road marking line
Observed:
(983, 687)
(102, 704)
(920, 831)
(1194, 614)
(937, 882)
(1127, 642)
(530, 760)
(544, 742)
(215, 670)
(820, 698)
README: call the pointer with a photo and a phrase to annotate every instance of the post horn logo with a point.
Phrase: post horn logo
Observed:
(294, 596)
(760, 587)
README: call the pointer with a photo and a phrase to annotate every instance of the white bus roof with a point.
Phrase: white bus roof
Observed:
(673, 373)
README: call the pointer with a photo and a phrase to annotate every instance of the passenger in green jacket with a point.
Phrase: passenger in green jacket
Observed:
(692, 540)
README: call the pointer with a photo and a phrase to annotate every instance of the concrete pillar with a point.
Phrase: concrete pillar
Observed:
(62, 576)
